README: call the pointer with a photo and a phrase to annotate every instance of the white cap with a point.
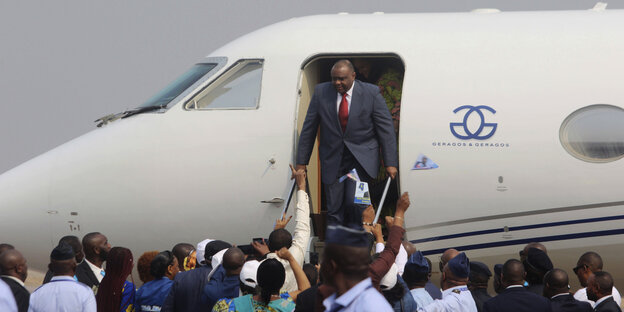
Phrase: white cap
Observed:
(248, 274)
(390, 279)
(218, 258)
(201, 249)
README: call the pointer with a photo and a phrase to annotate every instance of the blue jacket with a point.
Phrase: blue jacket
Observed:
(152, 295)
(187, 291)
(221, 286)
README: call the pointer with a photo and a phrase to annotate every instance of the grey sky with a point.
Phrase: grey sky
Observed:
(64, 64)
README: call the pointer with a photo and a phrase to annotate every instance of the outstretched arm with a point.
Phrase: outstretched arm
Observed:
(308, 132)
(302, 280)
(385, 134)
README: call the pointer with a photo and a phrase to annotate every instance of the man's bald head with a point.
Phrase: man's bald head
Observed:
(599, 285)
(513, 273)
(556, 282)
(233, 260)
(344, 63)
(4, 247)
(524, 253)
(592, 260)
(447, 255)
(13, 263)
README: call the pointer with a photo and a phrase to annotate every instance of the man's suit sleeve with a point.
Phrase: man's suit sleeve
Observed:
(384, 127)
(309, 130)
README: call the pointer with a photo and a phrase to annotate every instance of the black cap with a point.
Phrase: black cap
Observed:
(215, 246)
(460, 265)
(480, 268)
(539, 260)
(341, 235)
(62, 252)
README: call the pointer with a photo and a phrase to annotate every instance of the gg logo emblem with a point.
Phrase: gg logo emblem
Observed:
(482, 124)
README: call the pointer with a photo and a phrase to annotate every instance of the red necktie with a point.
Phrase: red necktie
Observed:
(343, 112)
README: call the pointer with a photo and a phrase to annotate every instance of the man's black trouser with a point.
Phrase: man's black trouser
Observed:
(339, 196)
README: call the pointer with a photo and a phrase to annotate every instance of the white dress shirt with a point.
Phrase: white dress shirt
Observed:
(456, 299)
(581, 295)
(362, 297)
(7, 302)
(96, 271)
(62, 294)
(301, 237)
(339, 99)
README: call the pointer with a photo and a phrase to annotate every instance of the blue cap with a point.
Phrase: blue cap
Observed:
(418, 262)
(62, 252)
(460, 265)
(479, 268)
(342, 235)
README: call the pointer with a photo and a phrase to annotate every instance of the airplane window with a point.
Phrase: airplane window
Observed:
(178, 86)
(594, 133)
(237, 88)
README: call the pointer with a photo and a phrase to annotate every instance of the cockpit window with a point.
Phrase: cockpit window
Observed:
(162, 98)
(238, 88)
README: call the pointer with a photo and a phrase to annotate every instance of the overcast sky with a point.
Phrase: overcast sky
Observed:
(64, 64)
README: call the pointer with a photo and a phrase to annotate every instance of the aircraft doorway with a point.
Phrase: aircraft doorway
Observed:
(384, 70)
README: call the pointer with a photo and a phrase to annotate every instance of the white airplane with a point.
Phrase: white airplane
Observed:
(521, 111)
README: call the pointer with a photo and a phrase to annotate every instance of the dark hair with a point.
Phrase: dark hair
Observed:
(278, 239)
(143, 265)
(72, 241)
(247, 290)
(604, 281)
(271, 276)
(118, 267)
(311, 273)
(181, 251)
(160, 263)
(414, 277)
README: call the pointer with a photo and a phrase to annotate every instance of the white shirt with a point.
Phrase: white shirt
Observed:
(7, 302)
(62, 294)
(301, 236)
(456, 299)
(581, 295)
(96, 271)
(339, 99)
(362, 297)
(401, 258)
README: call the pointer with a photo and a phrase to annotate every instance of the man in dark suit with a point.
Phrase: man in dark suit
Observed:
(91, 271)
(599, 289)
(556, 288)
(14, 273)
(354, 121)
(478, 283)
(515, 297)
(75, 244)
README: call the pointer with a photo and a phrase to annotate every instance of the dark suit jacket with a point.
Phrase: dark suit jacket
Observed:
(517, 299)
(369, 126)
(480, 295)
(187, 291)
(85, 275)
(608, 305)
(567, 303)
(21, 294)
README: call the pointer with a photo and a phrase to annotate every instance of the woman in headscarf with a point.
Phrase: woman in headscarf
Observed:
(115, 292)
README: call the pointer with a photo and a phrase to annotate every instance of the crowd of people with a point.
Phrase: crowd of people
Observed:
(361, 270)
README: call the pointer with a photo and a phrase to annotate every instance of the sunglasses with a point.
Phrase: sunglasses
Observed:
(578, 267)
